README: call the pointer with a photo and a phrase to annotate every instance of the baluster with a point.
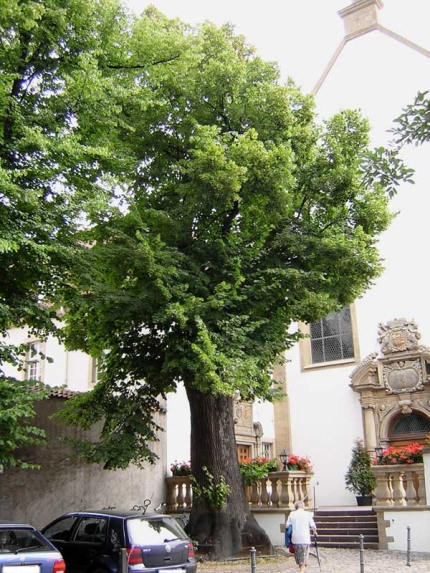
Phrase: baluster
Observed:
(383, 491)
(254, 495)
(300, 482)
(294, 493)
(390, 486)
(285, 494)
(274, 496)
(180, 497)
(420, 486)
(410, 493)
(171, 494)
(399, 493)
(264, 497)
(188, 494)
(309, 501)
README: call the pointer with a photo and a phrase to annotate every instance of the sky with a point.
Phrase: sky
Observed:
(301, 35)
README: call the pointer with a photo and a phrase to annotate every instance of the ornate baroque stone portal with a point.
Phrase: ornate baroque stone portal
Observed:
(396, 383)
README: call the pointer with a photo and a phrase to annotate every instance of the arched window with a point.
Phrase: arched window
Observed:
(409, 427)
(411, 424)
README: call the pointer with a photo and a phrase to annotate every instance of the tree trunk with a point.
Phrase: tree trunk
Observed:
(233, 529)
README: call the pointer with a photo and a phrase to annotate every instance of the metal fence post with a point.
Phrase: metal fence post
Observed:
(408, 547)
(123, 560)
(253, 552)
(361, 553)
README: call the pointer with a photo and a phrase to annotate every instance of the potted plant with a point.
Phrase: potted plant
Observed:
(359, 478)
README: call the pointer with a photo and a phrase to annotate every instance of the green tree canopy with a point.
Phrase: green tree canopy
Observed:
(243, 216)
(185, 208)
(55, 153)
(240, 215)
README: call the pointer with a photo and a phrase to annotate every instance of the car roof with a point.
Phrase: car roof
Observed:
(123, 513)
(5, 523)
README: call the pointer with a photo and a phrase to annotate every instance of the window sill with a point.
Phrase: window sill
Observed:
(333, 364)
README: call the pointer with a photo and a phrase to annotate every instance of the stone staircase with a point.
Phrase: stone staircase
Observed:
(342, 528)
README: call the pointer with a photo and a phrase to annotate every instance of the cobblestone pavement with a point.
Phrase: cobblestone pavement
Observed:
(332, 561)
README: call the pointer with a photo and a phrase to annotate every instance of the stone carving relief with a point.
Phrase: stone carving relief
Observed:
(405, 406)
(384, 410)
(368, 362)
(396, 381)
(243, 413)
(403, 376)
(398, 335)
(424, 404)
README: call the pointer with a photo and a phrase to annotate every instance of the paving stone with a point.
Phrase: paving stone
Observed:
(332, 561)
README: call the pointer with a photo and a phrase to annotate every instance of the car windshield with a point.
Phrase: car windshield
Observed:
(18, 539)
(153, 531)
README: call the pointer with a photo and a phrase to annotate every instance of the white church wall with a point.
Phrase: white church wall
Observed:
(419, 524)
(178, 427)
(326, 419)
(379, 76)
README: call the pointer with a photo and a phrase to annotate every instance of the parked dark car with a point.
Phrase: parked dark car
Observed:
(23, 549)
(93, 542)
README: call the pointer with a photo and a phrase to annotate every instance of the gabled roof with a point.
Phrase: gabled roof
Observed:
(361, 18)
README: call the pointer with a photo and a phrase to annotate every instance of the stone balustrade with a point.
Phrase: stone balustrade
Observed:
(179, 493)
(400, 485)
(277, 490)
(281, 489)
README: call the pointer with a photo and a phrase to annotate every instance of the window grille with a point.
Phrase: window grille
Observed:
(411, 424)
(331, 337)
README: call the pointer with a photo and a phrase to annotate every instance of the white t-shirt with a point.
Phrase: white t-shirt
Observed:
(302, 522)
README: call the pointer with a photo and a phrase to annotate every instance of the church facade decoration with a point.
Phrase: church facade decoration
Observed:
(393, 382)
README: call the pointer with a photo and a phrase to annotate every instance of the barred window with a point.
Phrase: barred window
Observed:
(411, 424)
(331, 341)
(331, 337)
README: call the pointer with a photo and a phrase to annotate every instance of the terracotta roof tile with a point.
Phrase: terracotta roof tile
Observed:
(62, 393)
(57, 392)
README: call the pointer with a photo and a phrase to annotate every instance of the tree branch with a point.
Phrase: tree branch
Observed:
(142, 66)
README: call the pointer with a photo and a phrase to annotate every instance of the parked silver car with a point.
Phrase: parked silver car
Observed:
(23, 549)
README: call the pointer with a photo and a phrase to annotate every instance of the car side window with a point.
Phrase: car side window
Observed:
(116, 533)
(61, 529)
(91, 530)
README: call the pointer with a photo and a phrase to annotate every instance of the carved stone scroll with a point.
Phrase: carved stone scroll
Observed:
(403, 376)
(398, 335)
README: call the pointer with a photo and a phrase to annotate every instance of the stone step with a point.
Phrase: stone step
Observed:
(355, 518)
(342, 529)
(345, 522)
(345, 512)
(346, 530)
(348, 537)
(346, 545)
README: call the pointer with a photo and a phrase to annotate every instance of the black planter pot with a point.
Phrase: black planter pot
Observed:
(364, 499)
